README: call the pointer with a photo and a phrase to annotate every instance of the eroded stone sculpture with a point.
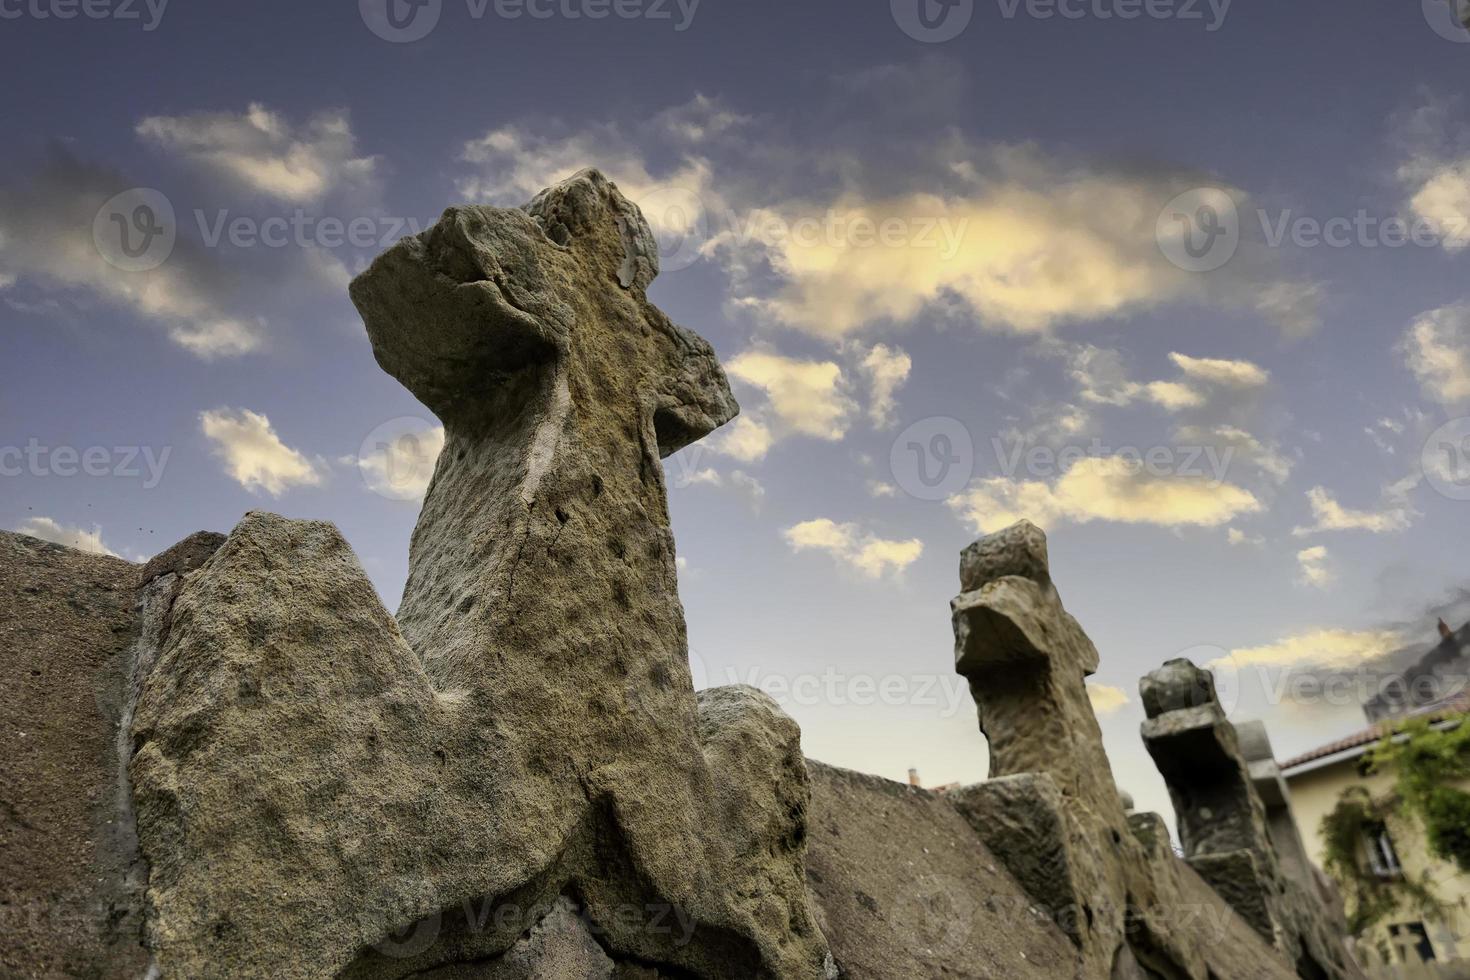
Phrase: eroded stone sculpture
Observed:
(513, 778)
(516, 770)
(1223, 825)
(1051, 809)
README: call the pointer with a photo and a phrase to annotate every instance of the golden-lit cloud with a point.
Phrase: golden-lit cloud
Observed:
(870, 555)
(1312, 567)
(254, 456)
(1107, 699)
(1220, 371)
(886, 369)
(807, 397)
(1318, 648)
(1103, 488)
(1333, 516)
(65, 534)
(264, 152)
(1436, 348)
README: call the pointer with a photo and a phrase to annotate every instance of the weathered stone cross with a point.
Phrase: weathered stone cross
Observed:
(528, 726)
(1027, 661)
(1050, 810)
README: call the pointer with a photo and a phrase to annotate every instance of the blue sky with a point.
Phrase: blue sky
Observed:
(890, 241)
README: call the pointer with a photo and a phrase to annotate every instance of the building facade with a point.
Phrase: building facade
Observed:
(1409, 941)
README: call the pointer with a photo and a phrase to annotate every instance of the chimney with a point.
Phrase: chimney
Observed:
(1444, 630)
(913, 777)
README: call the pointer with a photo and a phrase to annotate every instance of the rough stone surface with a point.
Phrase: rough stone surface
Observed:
(1223, 826)
(71, 892)
(324, 790)
(1275, 795)
(906, 889)
(513, 778)
(1051, 810)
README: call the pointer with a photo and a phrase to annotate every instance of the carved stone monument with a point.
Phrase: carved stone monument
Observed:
(478, 767)
(233, 762)
(1223, 826)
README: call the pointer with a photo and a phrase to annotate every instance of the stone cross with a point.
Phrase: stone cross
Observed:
(1198, 755)
(1223, 823)
(527, 727)
(1050, 810)
(1027, 661)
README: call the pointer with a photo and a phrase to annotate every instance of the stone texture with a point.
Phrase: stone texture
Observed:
(324, 790)
(1051, 810)
(906, 889)
(1271, 788)
(71, 895)
(514, 778)
(1223, 825)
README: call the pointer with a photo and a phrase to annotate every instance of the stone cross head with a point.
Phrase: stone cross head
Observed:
(458, 312)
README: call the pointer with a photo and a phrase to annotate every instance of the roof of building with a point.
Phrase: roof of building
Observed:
(1457, 704)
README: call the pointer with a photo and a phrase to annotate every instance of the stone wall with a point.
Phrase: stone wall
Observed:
(235, 762)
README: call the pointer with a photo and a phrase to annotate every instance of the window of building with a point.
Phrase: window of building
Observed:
(1383, 860)
(1412, 941)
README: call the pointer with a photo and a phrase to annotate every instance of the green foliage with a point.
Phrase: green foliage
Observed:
(1427, 763)
(1369, 897)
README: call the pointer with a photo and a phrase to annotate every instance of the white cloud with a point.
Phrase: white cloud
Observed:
(850, 545)
(1237, 537)
(402, 469)
(808, 397)
(886, 369)
(1222, 372)
(1268, 458)
(1321, 648)
(1107, 699)
(748, 439)
(1436, 348)
(1332, 516)
(1443, 200)
(1102, 378)
(878, 488)
(511, 164)
(1435, 171)
(254, 456)
(46, 240)
(1103, 488)
(1312, 566)
(263, 152)
(65, 534)
(1006, 236)
(753, 489)
(801, 397)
